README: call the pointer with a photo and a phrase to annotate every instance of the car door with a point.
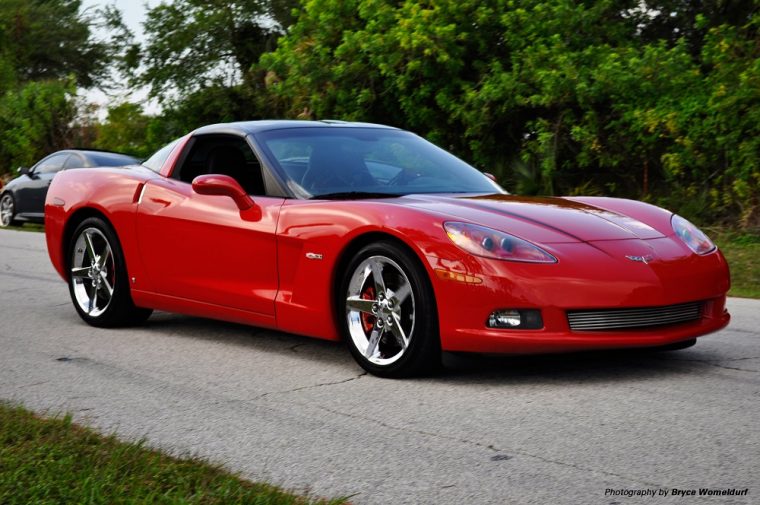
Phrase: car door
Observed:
(30, 198)
(204, 248)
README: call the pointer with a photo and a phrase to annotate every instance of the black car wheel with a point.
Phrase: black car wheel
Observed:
(388, 314)
(7, 210)
(98, 281)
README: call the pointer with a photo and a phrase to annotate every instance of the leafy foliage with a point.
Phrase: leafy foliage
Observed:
(48, 49)
(54, 39)
(36, 120)
(193, 44)
(646, 100)
(126, 130)
(658, 100)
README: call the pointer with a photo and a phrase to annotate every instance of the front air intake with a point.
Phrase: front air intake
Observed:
(639, 317)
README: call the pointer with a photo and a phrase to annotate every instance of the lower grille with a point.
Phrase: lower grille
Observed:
(640, 317)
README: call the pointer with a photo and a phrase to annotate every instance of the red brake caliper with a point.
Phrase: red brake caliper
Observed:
(368, 320)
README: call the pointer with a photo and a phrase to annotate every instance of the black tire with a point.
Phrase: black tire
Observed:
(677, 346)
(8, 211)
(90, 283)
(409, 343)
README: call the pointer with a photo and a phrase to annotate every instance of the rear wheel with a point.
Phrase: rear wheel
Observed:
(387, 312)
(7, 211)
(98, 278)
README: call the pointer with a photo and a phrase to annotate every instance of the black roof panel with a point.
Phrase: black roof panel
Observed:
(247, 127)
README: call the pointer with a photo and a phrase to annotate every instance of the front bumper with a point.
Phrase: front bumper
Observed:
(586, 277)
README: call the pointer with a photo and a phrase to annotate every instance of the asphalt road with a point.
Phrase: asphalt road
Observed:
(299, 413)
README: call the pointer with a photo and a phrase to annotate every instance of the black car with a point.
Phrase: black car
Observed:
(23, 198)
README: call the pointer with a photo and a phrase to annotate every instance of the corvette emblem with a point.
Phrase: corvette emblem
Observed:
(641, 259)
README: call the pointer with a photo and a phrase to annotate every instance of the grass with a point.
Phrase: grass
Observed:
(27, 227)
(742, 250)
(52, 461)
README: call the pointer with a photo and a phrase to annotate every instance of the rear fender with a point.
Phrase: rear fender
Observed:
(108, 192)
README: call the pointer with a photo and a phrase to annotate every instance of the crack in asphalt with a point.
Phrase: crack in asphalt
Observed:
(294, 347)
(311, 386)
(731, 329)
(490, 447)
(24, 386)
(12, 273)
(717, 363)
(499, 453)
(22, 248)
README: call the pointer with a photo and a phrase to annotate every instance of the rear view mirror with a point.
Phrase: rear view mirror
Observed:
(222, 185)
(23, 170)
(490, 176)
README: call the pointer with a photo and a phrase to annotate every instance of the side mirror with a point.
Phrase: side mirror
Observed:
(23, 170)
(490, 176)
(222, 185)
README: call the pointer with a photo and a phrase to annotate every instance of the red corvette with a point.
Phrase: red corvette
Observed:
(373, 235)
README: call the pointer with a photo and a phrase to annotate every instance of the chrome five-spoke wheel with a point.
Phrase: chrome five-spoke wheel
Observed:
(93, 272)
(98, 277)
(387, 312)
(7, 210)
(380, 310)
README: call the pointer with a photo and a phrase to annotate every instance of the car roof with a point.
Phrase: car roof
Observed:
(101, 158)
(249, 127)
(88, 152)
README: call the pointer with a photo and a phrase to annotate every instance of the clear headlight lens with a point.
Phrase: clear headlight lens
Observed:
(691, 235)
(490, 243)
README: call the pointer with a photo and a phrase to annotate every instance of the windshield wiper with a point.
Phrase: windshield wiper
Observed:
(352, 195)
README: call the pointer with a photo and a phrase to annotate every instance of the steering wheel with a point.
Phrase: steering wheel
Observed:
(405, 176)
(310, 181)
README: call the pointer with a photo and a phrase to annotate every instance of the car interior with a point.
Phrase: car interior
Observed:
(224, 155)
(329, 167)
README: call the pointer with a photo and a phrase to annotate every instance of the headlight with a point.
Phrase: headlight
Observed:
(489, 243)
(691, 235)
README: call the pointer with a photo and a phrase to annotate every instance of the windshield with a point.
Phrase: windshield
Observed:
(157, 160)
(111, 159)
(367, 162)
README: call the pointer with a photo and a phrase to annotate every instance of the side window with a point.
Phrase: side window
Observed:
(52, 164)
(226, 155)
(156, 161)
(292, 155)
(74, 161)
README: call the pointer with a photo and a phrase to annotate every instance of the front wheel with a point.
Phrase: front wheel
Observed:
(7, 211)
(387, 312)
(98, 277)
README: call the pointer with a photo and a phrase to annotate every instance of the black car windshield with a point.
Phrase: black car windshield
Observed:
(356, 162)
(111, 159)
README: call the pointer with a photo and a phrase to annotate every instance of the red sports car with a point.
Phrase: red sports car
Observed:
(373, 235)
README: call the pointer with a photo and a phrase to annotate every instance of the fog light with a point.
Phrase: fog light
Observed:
(528, 319)
(504, 319)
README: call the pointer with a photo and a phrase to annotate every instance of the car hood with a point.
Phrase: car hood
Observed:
(540, 219)
(15, 182)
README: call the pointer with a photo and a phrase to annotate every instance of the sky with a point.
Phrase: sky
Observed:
(133, 12)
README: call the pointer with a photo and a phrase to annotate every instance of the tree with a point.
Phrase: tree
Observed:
(55, 39)
(555, 96)
(193, 44)
(36, 120)
(48, 49)
(124, 130)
